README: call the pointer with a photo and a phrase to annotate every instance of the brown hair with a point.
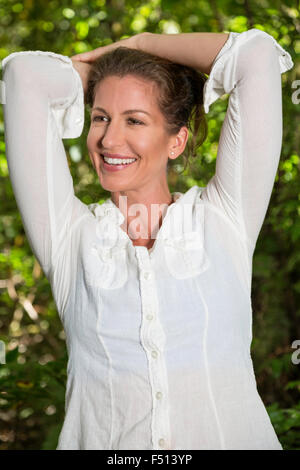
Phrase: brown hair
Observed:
(180, 89)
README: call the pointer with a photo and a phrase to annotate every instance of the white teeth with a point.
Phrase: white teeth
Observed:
(119, 161)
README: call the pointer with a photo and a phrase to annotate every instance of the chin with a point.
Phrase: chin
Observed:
(110, 185)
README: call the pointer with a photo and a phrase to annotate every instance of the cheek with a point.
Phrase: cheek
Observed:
(95, 133)
(149, 144)
(90, 140)
(91, 146)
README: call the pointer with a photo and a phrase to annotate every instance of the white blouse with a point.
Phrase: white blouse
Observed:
(158, 340)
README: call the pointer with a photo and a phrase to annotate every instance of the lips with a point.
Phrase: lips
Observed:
(115, 155)
(118, 167)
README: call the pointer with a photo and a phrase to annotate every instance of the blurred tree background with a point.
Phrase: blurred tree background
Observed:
(33, 379)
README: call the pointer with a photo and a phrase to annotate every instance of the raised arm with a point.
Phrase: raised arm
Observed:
(42, 97)
(249, 68)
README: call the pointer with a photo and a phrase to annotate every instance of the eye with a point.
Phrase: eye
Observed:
(96, 117)
(135, 121)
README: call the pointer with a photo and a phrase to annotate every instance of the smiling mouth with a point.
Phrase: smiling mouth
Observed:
(111, 166)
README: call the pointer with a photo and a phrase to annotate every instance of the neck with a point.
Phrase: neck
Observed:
(143, 212)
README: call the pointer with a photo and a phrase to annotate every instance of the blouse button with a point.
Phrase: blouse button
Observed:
(147, 275)
(149, 317)
(154, 354)
(106, 254)
(158, 395)
(161, 442)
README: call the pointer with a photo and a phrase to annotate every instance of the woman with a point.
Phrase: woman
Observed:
(157, 316)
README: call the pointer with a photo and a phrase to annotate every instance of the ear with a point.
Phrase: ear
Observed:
(178, 143)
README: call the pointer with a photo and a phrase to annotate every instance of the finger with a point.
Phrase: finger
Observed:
(76, 57)
(86, 56)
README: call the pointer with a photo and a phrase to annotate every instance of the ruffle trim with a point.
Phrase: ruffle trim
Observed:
(64, 58)
(181, 240)
(110, 212)
(216, 85)
(68, 113)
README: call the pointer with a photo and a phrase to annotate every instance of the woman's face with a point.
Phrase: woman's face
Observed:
(114, 129)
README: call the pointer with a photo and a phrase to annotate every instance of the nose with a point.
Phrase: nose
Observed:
(112, 136)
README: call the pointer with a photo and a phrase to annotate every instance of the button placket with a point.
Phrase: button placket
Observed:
(153, 340)
(147, 275)
(161, 442)
(154, 354)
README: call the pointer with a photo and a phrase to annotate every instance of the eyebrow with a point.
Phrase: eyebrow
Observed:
(128, 111)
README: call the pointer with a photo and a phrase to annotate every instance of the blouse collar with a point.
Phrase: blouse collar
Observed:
(181, 236)
(176, 220)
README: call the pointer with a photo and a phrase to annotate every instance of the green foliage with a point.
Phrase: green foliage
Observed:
(32, 381)
(32, 396)
(286, 421)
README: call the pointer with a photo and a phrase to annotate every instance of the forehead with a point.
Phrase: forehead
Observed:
(125, 91)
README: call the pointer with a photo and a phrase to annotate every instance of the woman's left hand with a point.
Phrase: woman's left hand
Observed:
(91, 56)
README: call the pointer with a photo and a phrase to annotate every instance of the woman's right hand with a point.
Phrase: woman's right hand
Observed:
(92, 56)
(83, 69)
(82, 62)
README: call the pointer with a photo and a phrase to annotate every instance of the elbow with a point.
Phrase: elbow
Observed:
(258, 57)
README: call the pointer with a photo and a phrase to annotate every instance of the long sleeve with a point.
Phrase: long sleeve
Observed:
(43, 102)
(249, 68)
